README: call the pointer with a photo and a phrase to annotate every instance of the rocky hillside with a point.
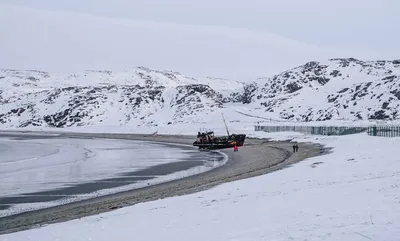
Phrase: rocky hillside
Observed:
(337, 89)
(136, 97)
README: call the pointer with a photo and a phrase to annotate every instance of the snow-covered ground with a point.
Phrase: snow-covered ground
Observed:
(33, 165)
(352, 194)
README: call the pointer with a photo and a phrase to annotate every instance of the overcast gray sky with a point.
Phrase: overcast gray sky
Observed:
(365, 29)
(364, 24)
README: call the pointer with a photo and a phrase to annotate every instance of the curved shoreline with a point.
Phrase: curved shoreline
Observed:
(257, 157)
(192, 162)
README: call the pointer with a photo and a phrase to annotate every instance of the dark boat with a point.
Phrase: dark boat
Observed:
(207, 140)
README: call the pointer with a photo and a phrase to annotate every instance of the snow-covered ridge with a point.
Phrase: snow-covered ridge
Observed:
(347, 89)
(337, 89)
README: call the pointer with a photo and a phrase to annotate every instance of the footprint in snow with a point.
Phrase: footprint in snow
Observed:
(315, 164)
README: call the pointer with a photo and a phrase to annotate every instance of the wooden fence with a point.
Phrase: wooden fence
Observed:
(385, 131)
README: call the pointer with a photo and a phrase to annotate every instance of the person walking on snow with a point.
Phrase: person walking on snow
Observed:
(294, 147)
(235, 148)
(297, 147)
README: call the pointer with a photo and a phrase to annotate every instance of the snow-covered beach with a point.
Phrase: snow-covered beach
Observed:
(349, 194)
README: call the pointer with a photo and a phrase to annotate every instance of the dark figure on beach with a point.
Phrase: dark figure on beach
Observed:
(295, 147)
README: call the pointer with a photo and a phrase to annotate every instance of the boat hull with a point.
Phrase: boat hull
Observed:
(222, 142)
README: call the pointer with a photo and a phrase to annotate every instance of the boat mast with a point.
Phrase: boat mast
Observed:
(226, 127)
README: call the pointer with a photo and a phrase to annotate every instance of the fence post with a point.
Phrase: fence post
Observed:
(372, 130)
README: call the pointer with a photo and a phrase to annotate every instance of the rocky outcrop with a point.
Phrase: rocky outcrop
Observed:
(337, 89)
(345, 88)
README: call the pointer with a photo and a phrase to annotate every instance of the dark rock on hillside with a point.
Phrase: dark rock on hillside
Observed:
(344, 88)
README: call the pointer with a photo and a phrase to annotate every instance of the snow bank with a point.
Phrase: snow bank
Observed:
(349, 194)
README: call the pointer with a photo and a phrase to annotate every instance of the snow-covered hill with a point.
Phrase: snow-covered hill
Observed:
(138, 96)
(338, 89)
